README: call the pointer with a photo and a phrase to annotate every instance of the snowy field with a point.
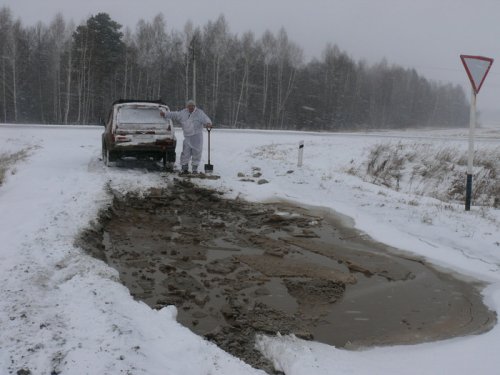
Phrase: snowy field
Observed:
(63, 312)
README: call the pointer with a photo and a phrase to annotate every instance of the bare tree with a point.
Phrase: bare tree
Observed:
(187, 40)
(5, 40)
(215, 44)
(151, 43)
(14, 37)
(9, 35)
(247, 55)
(68, 51)
(268, 48)
(289, 57)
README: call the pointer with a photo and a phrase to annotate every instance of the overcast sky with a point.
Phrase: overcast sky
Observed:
(428, 35)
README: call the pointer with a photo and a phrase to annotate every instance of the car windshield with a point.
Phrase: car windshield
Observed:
(142, 117)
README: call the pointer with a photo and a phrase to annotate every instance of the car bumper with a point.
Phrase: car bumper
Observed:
(130, 149)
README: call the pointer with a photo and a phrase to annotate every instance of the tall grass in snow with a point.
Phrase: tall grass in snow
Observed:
(436, 171)
(8, 160)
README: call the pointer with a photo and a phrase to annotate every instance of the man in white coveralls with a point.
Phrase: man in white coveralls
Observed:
(192, 120)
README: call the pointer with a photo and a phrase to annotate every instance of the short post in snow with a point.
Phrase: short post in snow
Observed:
(477, 67)
(301, 153)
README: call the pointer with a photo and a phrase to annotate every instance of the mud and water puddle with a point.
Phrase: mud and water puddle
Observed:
(235, 269)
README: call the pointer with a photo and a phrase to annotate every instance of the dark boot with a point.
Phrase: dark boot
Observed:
(184, 169)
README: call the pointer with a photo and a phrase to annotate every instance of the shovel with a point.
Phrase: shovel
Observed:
(209, 168)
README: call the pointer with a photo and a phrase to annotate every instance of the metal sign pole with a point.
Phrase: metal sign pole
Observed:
(477, 68)
(468, 188)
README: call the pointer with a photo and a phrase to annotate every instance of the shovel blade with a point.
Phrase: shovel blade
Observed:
(209, 168)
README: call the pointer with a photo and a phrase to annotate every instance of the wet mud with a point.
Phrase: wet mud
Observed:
(235, 269)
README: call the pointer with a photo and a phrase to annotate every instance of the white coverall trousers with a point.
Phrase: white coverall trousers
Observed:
(191, 150)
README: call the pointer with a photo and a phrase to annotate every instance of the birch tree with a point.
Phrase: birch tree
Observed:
(247, 54)
(268, 51)
(288, 57)
(215, 46)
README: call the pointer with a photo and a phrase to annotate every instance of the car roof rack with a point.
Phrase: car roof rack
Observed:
(120, 101)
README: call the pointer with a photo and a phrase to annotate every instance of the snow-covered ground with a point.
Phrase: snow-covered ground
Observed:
(64, 312)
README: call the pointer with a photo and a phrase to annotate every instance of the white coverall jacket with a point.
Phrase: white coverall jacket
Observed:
(192, 127)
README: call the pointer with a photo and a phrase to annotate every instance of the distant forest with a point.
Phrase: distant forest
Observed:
(66, 74)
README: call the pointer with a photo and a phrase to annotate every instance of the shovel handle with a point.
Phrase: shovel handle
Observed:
(209, 128)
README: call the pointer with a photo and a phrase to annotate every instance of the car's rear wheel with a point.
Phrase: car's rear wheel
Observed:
(107, 158)
(169, 160)
(105, 154)
(170, 156)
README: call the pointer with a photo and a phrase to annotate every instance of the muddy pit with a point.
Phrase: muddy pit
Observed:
(236, 269)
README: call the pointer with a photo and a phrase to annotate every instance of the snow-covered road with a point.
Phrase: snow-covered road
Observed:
(62, 311)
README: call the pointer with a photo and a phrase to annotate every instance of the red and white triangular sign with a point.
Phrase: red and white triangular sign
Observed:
(477, 67)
